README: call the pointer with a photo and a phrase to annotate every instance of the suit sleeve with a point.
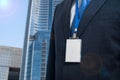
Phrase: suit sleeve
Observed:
(50, 74)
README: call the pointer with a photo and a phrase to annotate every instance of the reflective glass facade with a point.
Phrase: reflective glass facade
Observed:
(36, 43)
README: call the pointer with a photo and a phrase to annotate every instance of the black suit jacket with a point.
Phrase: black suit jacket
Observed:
(99, 30)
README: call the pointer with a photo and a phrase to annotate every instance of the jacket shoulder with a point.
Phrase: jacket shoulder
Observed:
(63, 4)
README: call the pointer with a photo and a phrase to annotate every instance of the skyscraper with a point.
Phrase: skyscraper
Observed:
(36, 43)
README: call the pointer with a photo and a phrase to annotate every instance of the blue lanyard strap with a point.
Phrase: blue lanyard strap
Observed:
(79, 11)
(78, 15)
(77, 20)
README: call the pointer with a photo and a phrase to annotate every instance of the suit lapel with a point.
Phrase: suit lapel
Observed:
(89, 13)
(67, 9)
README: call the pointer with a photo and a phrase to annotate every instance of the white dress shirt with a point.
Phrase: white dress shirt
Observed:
(73, 10)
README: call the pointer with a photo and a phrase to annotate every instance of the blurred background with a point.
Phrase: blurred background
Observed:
(25, 27)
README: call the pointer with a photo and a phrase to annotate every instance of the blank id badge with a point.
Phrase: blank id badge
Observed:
(73, 50)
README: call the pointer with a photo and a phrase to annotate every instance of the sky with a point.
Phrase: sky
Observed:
(13, 16)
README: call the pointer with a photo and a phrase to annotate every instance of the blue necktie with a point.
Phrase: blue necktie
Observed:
(78, 15)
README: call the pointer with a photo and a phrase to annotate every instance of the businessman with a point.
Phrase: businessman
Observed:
(85, 41)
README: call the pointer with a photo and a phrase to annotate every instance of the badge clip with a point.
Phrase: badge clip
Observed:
(74, 36)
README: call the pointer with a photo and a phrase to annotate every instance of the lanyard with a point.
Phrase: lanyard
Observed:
(79, 13)
(77, 19)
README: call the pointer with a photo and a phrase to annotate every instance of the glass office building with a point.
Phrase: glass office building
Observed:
(36, 43)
